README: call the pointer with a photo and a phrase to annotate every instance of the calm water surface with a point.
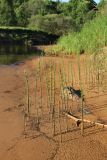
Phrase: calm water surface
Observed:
(10, 54)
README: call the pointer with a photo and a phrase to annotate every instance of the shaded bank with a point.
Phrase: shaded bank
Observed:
(19, 35)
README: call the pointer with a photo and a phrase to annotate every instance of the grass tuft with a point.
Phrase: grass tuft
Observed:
(91, 39)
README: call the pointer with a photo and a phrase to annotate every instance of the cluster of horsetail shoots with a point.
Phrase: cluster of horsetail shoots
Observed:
(93, 77)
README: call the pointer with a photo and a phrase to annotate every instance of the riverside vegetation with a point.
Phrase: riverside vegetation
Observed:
(61, 100)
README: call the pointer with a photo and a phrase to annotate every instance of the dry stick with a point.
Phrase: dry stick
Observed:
(82, 107)
(87, 121)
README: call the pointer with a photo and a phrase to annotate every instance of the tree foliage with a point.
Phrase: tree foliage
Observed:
(7, 14)
(22, 14)
(52, 23)
(80, 10)
(103, 6)
(51, 16)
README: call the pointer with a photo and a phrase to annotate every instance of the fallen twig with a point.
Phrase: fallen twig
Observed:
(78, 120)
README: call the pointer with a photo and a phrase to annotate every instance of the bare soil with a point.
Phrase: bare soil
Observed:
(42, 145)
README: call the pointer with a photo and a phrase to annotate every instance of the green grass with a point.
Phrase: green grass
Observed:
(91, 39)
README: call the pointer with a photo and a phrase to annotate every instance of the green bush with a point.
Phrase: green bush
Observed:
(52, 23)
(91, 39)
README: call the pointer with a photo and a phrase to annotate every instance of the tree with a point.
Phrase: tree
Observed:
(102, 7)
(73, 13)
(36, 7)
(51, 7)
(22, 14)
(43, 7)
(7, 14)
(78, 10)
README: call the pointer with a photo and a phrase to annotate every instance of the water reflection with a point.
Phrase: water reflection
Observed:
(12, 53)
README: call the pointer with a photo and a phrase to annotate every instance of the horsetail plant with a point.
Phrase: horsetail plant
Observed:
(27, 92)
(60, 122)
(54, 80)
(64, 99)
(40, 80)
(82, 96)
(35, 92)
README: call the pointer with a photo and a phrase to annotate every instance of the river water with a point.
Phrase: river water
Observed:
(10, 54)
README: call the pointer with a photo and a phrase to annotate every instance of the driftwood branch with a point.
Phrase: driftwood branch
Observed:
(78, 120)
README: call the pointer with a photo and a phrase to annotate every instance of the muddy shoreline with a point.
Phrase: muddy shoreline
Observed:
(13, 145)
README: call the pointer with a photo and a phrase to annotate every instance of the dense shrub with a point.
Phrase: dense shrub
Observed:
(52, 23)
(91, 39)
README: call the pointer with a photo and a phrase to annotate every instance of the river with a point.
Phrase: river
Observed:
(10, 54)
